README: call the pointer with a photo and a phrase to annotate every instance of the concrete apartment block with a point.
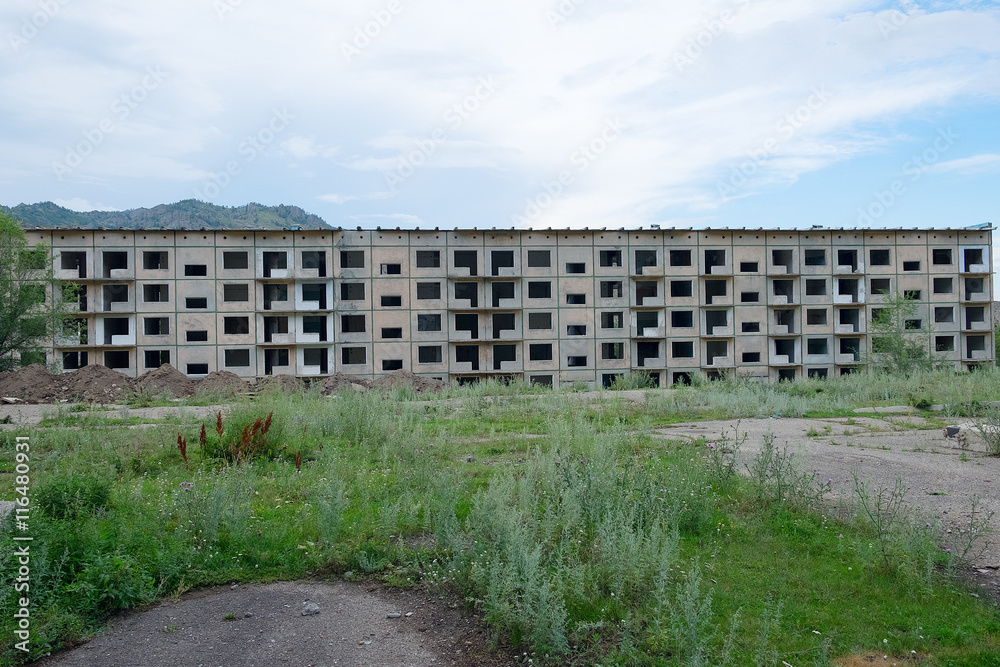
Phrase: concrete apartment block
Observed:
(550, 306)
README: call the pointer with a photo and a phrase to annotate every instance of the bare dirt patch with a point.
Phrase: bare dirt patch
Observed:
(261, 626)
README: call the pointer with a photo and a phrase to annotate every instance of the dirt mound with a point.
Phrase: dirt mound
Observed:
(408, 379)
(339, 381)
(286, 383)
(166, 380)
(31, 384)
(222, 382)
(100, 383)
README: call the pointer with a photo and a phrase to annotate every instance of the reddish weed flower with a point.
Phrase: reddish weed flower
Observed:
(218, 423)
(202, 438)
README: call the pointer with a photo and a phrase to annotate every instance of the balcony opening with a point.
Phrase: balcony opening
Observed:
(646, 320)
(785, 347)
(467, 354)
(467, 259)
(502, 353)
(115, 294)
(851, 317)
(315, 293)
(316, 356)
(501, 259)
(848, 287)
(713, 289)
(715, 349)
(714, 258)
(645, 289)
(76, 329)
(785, 318)
(973, 256)
(973, 288)
(785, 288)
(279, 326)
(851, 346)
(74, 261)
(315, 259)
(715, 319)
(501, 291)
(114, 326)
(644, 258)
(848, 258)
(503, 322)
(275, 261)
(114, 261)
(467, 292)
(646, 350)
(783, 258)
(275, 358)
(273, 293)
(974, 345)
(467, 322)
(974, 315)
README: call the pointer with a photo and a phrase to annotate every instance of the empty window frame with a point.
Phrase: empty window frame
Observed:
(195, 270)
(391, 301)
(429, 322)
(352, 259)
(155, 260)
(943, 286)
(681, 288)
(156, 326)
(539, 259)
(352, 323)
(155, 293)
(392, 332)
(682, 319)
(612, 320)
(576, 299)
(232, 259)
(238, 292)
(236, 326)
(390, 269)
(429, 354)
(196, 303)
(539, 290)
(816, 287)
(428, 291)
(353, 356)
(682, 349)
(680, 258)
(576, 329)
(814, 257)
(878, 257)
(576, 267)
(315, 259)
(611, 289)
(610, 258)
(612, 350)
(540, 352)
(540, 321)
(352, 291)
(941, 256)
(428, 259)
(196, 336)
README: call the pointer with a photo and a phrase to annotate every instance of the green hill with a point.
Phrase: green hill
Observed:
(189, 214)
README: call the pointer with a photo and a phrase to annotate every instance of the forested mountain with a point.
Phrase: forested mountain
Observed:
(188, 214)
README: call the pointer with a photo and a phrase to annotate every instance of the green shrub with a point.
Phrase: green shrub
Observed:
(65, 496)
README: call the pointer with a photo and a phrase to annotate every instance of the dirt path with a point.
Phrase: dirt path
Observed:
(262, 626)
(940, 476)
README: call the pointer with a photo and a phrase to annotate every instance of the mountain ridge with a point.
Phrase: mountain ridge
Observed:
(189, 214)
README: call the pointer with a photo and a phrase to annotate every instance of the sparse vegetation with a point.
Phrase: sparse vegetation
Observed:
(578, 535)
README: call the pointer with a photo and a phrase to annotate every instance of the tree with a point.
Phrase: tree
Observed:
(29, 316)
(900, 341)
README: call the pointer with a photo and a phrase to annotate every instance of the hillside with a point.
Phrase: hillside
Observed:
(187, 214)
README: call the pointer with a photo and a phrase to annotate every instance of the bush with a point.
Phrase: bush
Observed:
(69, 496)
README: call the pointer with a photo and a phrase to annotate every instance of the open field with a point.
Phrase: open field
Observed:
(583, 528)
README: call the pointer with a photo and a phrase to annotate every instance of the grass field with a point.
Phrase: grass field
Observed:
(579, 536)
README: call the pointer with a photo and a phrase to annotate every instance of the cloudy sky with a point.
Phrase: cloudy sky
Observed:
(525, 113)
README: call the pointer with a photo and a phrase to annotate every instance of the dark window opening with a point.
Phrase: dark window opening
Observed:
(114, 261)
(751, 357)
(70, 261)
(817, 346)
(576, 361)
(748, 267)
(116, 359)
(314, 293)
(973, 286)
(681, 288)
(576, 267)
(611, 289)
(540, 321)
(646, 320)
(682, 378)
(576, 299)
(391, 301)
(234, 260)
(315, 356)
(750, 327)
(912, 294)
(611, 258)
(851, 346)
(576, 329)
(815, 287)
(156, 326)
(274, 292)
(715, 349)
(352, 291)
(944, 343)
(352, 259)
(155, 358)
(816, 316)
(714, 258)
(612, 320)
(944, 314)
(74, 360)
(427, 291)
(154, 260)
(682, 349)
(912, 325)
(541, 380)
(429, 354)
(114, 326)
(429, 322)
(644, 258)
(682, 319)
(392, 364)
(539, 259)
(197, 369)
(715, 319)
(351, 323)
(353, 356)
(848, 258)
(713, 289)
(911, 266)
(817, 373)
(785, 347)
(943, 286)
(113, 294)
(428, 259)
(540, 352)
(851, 317)
(613, 351)
(784, 288)
(236, 326)
(540, 290)
(941, 256)
(814, 257)
(196, 336)
(390, 269)
(881, 286)
(195, 270)
(646, 350)
(973, 315)
(973, 256)
(785, 318)
(392, 332)
(749, 297)
(879, 257)
(782, 258)
(786, 375)
(235, 292)
(273, 358)
(237, 358)
(848, 287)
(196, 303)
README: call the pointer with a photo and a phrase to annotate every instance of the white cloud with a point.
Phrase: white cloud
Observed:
(968, 165)
(338, 198)
(306, 147)
(82, 205)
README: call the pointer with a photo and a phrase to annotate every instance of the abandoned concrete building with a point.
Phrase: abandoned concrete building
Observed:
(551, 307)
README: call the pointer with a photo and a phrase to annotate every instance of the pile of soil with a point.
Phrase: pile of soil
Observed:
(31, 384)
(223, 382)
(166, 380)
(286, 383)
(339, 381)
(407, 379)
(97, 382)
